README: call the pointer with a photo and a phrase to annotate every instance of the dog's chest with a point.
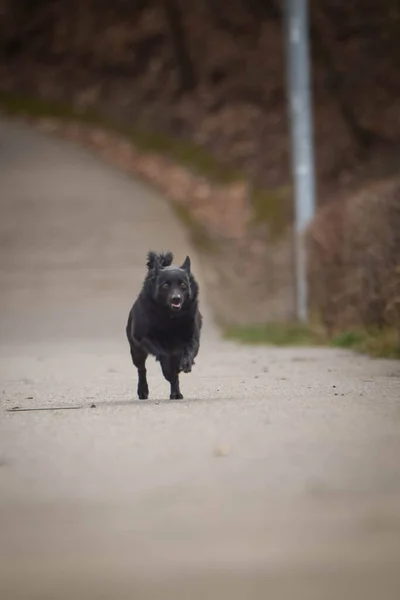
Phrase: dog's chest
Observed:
(173, 335)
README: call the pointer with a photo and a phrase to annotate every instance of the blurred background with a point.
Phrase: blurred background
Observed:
(193, 97)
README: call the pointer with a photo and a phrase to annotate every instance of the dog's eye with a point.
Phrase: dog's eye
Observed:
(165, 286)
(183, 285)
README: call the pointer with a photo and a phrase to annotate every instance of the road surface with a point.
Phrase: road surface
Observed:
(278, 475)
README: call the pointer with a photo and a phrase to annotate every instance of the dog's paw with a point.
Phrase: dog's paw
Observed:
(178, 396)
(143, 392)
(186, 364)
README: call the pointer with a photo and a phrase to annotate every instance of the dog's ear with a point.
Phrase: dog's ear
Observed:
(164, 259)
(156, 264)
(186, 265)
(151, 256)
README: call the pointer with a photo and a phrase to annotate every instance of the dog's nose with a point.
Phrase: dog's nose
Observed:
(176, 297)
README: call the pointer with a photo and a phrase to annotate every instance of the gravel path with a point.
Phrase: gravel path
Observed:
(278, 475)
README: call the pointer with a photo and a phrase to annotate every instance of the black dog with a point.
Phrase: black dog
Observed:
(165, 321)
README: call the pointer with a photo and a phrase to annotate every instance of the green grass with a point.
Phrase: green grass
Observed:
(195, 158)
(382, 343)
(276, 334)
(19, 105)
(378, 343)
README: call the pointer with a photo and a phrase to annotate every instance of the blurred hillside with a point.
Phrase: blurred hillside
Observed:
(215, 77)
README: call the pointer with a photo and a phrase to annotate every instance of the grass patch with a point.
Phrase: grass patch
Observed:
(272, 206)
(195, 158)
(19, 105)
(378, 343)
(382, 343)
(276, 334)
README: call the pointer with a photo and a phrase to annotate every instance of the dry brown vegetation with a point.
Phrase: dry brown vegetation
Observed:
(354, 266)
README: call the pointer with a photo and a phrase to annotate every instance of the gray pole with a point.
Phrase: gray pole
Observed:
(298, 83)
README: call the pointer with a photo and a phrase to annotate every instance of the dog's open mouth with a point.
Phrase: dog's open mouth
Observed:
(176, 304)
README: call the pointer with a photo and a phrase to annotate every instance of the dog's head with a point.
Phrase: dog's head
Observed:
(172, 286)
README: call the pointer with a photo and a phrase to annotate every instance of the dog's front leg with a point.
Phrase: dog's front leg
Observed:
(170, 369)
(187, 360)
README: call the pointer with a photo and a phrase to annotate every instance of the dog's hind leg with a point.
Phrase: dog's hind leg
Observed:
(139, 357)
(170, 369)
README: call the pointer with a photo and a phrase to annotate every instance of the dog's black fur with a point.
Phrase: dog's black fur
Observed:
(165, 321)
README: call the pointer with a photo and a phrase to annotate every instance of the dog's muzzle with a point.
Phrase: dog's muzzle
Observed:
(176, 301)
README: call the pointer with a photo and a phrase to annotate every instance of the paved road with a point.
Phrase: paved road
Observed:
(277, 477)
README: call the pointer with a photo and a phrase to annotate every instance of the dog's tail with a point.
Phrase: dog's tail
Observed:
(164, 259)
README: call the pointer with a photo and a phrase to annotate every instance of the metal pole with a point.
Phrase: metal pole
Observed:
(298, 84)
